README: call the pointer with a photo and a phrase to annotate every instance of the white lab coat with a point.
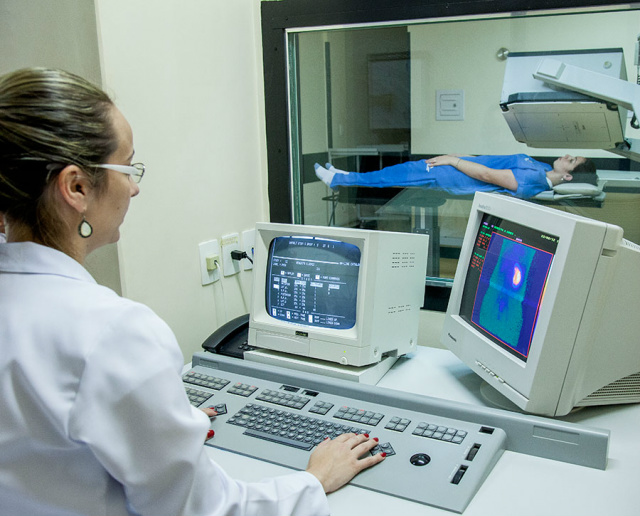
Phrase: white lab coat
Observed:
(94, 419)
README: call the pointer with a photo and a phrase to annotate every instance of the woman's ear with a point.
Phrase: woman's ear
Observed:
(567, 177)
(74, 187)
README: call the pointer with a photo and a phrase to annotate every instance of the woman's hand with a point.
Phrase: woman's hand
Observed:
(211, 412)
(335, 462)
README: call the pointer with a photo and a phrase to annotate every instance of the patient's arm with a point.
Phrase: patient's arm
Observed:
(500, 177)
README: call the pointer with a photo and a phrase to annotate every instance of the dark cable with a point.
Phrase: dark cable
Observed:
(239, 255)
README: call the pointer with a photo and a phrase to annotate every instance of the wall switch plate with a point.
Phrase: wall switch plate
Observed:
(248, 246)
(230, 243)
(450, 105)
(208, 249)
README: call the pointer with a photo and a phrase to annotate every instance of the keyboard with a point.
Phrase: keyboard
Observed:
(279, 416)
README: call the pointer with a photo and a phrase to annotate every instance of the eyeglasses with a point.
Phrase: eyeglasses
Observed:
(135, 170)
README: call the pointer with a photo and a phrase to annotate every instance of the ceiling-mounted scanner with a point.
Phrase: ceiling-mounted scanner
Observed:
(544, 110)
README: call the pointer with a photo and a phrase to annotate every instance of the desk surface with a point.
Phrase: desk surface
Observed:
(519, 485)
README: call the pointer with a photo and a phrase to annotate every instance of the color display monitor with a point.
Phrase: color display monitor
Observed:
(544, 307)
(506, 282)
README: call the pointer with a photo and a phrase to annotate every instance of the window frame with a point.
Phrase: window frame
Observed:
(280, 18)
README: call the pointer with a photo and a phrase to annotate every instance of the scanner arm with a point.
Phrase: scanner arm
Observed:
(610, 89)
(600, 86)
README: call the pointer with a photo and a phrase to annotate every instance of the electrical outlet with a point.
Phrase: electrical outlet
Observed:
(248, 246)
(230, 243)
(208, 250)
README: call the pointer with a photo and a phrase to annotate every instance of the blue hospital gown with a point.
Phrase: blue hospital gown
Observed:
(529, 173)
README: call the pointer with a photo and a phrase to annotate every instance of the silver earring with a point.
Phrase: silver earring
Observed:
(84, 229)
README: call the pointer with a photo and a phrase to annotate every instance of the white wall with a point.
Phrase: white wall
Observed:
(188, 77)
(37, 33)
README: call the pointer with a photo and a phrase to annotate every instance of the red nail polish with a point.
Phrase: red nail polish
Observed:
(375, 439)
(384, 454)
(210, 434)
(366, 435)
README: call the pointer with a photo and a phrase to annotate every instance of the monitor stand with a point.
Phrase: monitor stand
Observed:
(496, 399)
(369, 375)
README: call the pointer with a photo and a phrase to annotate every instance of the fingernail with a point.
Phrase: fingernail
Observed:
(375, 439)
(210, 434)
(366, 435)
(384, 454)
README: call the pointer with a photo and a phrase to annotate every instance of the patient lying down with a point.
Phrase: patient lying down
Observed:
(515, 174)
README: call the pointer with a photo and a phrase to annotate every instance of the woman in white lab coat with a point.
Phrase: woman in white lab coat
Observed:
(79, 365)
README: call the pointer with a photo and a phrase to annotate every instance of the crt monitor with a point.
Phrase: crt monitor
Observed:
(544, 306)
(349, 296)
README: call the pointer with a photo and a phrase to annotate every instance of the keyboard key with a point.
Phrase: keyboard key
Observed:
(204, 380)
(358, 415)
(440, 433)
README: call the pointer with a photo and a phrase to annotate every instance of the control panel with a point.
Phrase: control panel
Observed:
(280, 418)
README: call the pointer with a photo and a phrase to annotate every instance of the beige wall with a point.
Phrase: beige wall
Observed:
(462, 55)
(350, 109)
(188, 76)
(57, 34)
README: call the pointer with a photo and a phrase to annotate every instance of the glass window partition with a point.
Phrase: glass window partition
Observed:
(365, 96)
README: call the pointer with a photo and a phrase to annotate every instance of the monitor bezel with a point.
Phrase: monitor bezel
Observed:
(569, 283)
(259, 315)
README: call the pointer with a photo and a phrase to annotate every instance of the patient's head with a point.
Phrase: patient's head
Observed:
(585, 172)
(576, 169)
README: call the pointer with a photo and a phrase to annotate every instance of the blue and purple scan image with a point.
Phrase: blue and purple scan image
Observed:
(510, 291)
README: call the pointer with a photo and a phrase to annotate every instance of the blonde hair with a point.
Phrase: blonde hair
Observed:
(48, 119)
